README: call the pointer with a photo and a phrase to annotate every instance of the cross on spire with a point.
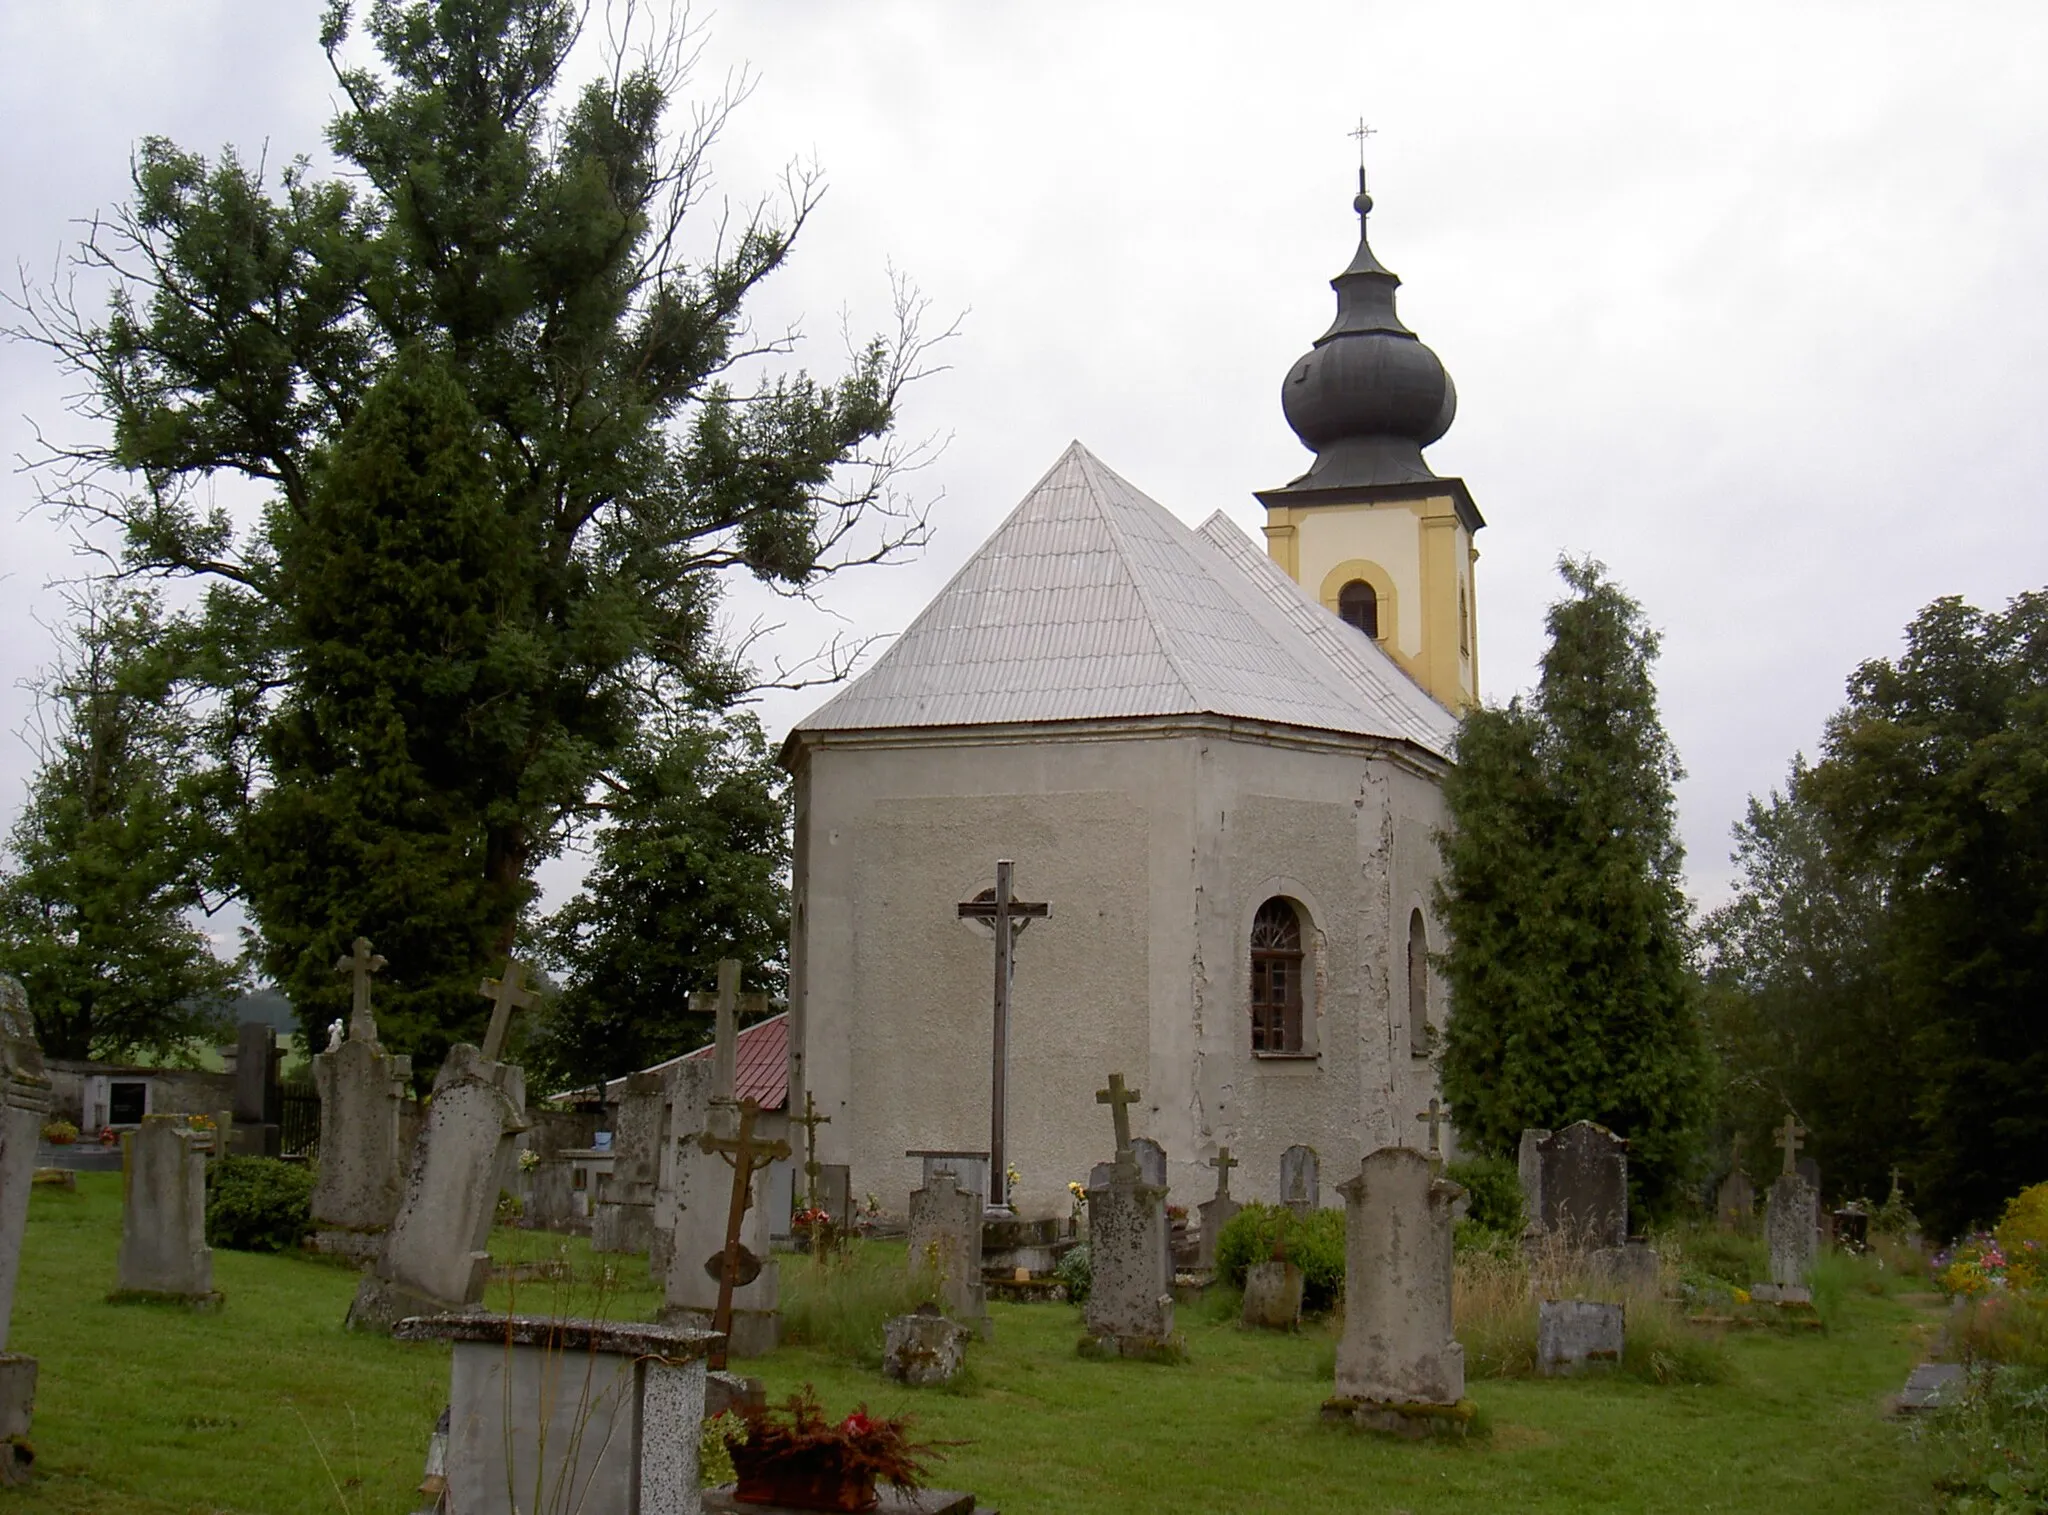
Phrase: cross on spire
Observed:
(1359, 133)
(1119, 1099)
(1788, 1138)
(1222, 1162)
(506, 995)
(1436, 1115)
(361, 962)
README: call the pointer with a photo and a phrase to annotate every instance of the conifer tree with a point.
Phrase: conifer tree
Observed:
(1572, 994)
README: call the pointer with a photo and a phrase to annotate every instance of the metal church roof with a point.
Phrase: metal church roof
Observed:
(1092, 602)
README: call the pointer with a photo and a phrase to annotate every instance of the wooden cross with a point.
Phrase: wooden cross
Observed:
(1788, 1138)
(506, 995)
(1119, 1099)
(745, 1154)
(1436, 1115)
(1008, 916)
(725, 1008)
(810, 1120)
(361, 963)
(1223, 1162)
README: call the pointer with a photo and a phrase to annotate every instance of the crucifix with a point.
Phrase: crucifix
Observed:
(1223, 1162)
(724, 1008)
(1119, 1099)
(506, 995)
(1788, 1138)
(810, 1120)
(1436, 1115)
(1008, 916)
(360, 963)
(733, 1265)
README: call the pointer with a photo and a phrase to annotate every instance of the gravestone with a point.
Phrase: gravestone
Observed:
(164, 1255)
(259, 1098)
(1575, 1186)
(945, 1243)
(624, 1218)
(1272, 1295)
(24, 1104)
(969, 1169)
(835, 1194)
(1735, 1202)
(1852, 1230)
(1399, 1367)
(923, 1348)
(1216, 1212)
(1151, 1160)
(1575, 1334)
(1301, 1187)
(436, 1256)
(362, 1092)
(548, 1414)
(687, 1089)
(1129, 1312)
(1792, 1228)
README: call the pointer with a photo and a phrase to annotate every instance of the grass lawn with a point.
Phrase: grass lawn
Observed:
(270, 1408)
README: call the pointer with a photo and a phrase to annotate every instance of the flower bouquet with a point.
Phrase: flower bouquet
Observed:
(793, 1456)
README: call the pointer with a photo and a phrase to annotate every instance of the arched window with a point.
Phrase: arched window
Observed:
(1276, 978)
(1359, 603)
(1420, 1034)
(1464, 623)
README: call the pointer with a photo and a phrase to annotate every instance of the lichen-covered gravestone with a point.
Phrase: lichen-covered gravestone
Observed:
(945, 1244)
(24, 1102)
(436, 1257)
(624, 1221)
(1575, 1186)
(164, 1255)
(1792, 1226)
(1130, 1296)
(362, 1162)
(1573, 1335)
(1399, 1367)
(1735, 1202)
(1272, 1295)
(1217, 1212)
(923, 1348)
(1300, 1179)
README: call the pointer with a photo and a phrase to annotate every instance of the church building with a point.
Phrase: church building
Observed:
(1218, 767)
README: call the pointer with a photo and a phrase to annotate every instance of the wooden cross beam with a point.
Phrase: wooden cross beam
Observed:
(360, 964)
(1119, 1099)
(506, 995)
(745, 1154)
(1223, 1162)
(1009, 916)
(1788, 1138)
(1436, 1115)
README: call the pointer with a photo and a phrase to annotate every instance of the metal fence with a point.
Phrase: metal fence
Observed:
(298, 1121)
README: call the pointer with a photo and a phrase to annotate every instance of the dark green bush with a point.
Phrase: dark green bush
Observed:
(1076, 1274)
(1493, 1193)
(258, 1204)
(1314, 1242)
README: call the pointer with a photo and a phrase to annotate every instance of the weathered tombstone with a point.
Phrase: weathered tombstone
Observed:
(362, 1090)
(164, 1255)
(969, 1169)
(1579, 1192)
(259, 1099)
(1272, 1295)
(624, 1218)
(1792, 1227)
(1130, 1297)
(1636, 1269)
(24, 1102)
(1735, 1202)
(1151, 1159)
(688, 1088)
(835, 1195)
(1217, 1212)
(436, 1256)
(1574, 1334)
(1300, 1179)
(923, 1348)
(546, 1413)
(1399, 1367)
(945, 1241)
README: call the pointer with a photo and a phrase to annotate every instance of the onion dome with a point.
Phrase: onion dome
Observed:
(1368, 397)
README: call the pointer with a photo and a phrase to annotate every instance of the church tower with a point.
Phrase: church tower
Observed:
(1370, 530)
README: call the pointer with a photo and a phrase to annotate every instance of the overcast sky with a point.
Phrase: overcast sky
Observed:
(1747, 301)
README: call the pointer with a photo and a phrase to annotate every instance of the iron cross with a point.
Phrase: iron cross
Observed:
(1359, 133)
(361, 963)
(745, 1154)
(1436, 1115)
(1009, 916)
(810, 1120)
(1223, 1162)
(1788, 1138)
(506, 995)
(1119, 1099)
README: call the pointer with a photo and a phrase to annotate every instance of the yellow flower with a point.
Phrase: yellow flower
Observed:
(1742, 1296)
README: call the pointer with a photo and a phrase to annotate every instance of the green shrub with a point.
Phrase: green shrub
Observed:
(1314, 1243)
(1076, 1274)
(258, 1204)
(1493, 1193)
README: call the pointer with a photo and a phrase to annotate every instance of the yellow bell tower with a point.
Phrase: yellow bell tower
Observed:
(1370, 530)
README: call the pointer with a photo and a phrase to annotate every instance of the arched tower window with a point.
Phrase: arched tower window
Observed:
(1464, 623)
(1276, 978)
(1420, 1034)
(1359, 603)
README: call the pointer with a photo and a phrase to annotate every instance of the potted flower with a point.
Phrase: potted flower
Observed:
(814, 1226)
(795, 1457)
(60, 1133)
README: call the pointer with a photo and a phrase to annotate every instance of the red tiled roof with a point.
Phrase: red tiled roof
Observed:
(760, 1062)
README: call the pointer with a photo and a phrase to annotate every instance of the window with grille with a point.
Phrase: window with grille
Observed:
(1276, 978)
(1359, 603)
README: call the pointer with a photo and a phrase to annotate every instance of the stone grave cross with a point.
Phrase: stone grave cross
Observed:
(360, 964)
(1788, 1138)
(1436, 1115)
(1119, 1099)
(733, 1265)
(724, 1007)
(506, 995)
(810, 1120)
(1223, 1162)
(1897, 1193)
(1009, 916)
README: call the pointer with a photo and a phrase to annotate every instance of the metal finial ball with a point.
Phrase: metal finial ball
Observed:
(1363, 203)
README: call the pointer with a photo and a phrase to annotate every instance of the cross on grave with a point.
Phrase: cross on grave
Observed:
(730, 1261)
(506, 995)
(1119, 1099)
(810, 1120)
(1897, 1193)
(1009, 916)
(724, 1008)
(1436, 1115)
(360, 964)
(1788, 1138)
(1223, 1162)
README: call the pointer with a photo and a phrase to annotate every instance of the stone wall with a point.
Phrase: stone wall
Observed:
(173, 1091)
